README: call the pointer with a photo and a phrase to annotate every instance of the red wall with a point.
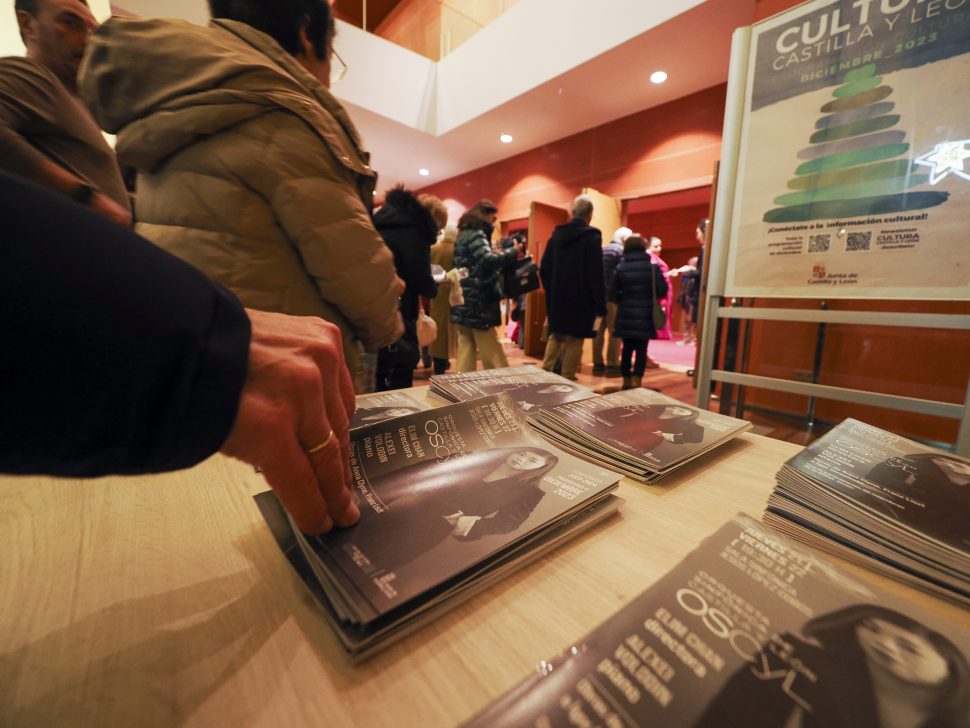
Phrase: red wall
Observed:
(671, 147)
(674, 147)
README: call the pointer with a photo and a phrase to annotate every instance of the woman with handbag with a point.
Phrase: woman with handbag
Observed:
(638, 287)
(480, 313)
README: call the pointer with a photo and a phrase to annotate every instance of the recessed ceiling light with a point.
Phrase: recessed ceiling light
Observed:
(423, 172)
(505, 139)
(658, 77)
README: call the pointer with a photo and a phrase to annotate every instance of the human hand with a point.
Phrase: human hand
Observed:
(104, 205)
(298, 395)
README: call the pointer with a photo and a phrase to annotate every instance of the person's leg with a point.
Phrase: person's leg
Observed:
(626, 369)
(613, 347)
(466, 349)
(571, 355)
(384, 364)
(640, 348)
(599, 367)
(490, 349)
(440, 365)
(553, 352)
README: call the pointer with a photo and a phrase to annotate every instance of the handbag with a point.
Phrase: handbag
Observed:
(659, 315)
(524, 279)
(427, 329)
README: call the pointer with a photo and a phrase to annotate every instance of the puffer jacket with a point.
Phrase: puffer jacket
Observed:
(409, 231)
(632, 291)
(481, 288)
(249, 169)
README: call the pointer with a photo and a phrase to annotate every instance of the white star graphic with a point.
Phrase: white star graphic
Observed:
(946, 157)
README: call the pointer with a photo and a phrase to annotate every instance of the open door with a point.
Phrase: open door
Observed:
(542, 221)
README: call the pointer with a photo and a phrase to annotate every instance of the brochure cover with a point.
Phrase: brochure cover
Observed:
(750, 630)
(912, 486)
(877, 498)
(531, 391)
(382, 406)
(440, 491)
(641, 427)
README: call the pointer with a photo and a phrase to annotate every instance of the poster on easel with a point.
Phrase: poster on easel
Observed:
(854, 163)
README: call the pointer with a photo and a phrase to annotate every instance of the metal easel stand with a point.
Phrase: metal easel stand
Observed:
(842, 394)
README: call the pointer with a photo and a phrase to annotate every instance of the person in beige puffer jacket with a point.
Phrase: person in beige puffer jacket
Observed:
(248, 167)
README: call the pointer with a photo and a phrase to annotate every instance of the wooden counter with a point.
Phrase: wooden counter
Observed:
(163, 601)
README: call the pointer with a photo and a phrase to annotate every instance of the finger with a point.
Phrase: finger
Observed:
(336, 416)
(344, 382)
(326, 464)
(289, 472)
(330, 463)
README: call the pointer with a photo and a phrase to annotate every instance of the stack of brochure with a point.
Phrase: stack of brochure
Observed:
(382, 406)
(750, 630)
(531, 388)
(451, 500)
(879, 499)
(639, 432)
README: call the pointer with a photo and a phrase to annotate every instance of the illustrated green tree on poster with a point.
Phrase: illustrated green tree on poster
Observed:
(857, 163)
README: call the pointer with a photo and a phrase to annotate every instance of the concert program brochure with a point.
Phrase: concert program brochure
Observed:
(530, 387)
(750, 630)
(639, 432)
(882, 500)
(382, 406)
(451, 499)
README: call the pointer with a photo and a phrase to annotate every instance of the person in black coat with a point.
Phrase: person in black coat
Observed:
(409, 226)
(637, 283)
(572, 276)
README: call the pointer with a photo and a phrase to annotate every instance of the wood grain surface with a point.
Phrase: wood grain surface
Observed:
(164, 601)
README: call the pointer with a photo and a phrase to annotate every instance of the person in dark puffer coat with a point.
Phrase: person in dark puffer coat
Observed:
(480, 314)
(633, 291)
(409, 226)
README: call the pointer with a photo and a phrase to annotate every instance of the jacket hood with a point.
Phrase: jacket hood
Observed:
(159, 84)
(569, 232)
(401, 209)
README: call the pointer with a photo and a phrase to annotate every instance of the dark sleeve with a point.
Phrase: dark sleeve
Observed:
(507, 518)
(659, 281)
(116, 357)
(547, 266)
(616, 284)
(594, 272)
(412, 258)
(492, 261)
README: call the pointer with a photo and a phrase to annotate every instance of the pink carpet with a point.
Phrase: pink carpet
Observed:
(666, 351)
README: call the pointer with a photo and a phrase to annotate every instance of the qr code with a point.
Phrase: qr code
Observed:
(858, 241)
(819, 243)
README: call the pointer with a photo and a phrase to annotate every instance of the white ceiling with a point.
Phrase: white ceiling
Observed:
(532, 85)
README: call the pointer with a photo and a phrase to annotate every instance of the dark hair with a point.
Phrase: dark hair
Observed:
(28, 6)
(836, 632)
(702, 225)
(283, 20)
(484, 207)
(634, 242)
(471, 220)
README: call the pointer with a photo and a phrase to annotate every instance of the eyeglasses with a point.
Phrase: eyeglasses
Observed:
(338, 68)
